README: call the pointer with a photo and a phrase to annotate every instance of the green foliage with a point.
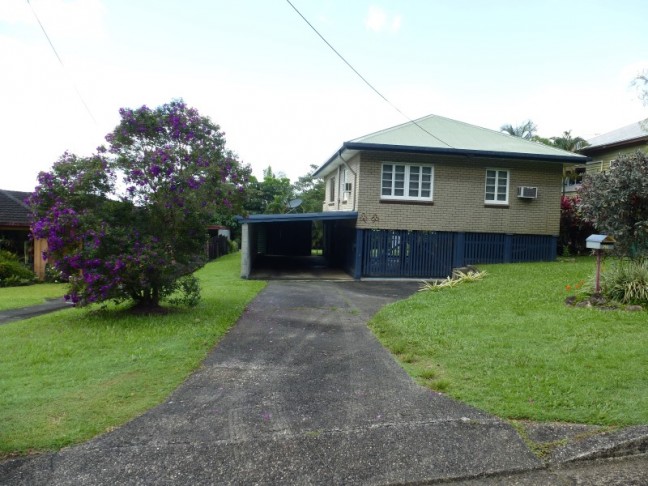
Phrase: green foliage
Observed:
(269, 196)
(574, 230)
(449, 282)
(627, 282)
(567, 142)
(53, 275)
(311, 191)
(12, 272)
(186, 292)
(616, 203)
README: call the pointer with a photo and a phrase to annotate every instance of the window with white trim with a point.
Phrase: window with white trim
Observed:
(497, 186)
(332, 190)
(407, 182)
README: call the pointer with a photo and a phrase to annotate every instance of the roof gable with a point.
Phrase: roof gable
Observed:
(13, 210)
(435, 134)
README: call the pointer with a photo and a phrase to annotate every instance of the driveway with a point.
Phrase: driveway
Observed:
(298, 392)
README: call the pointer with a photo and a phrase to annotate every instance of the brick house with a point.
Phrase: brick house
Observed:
(422, 198)
(15, 231)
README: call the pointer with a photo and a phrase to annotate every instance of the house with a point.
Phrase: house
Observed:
(15, 219)
(422, 198)
(604, 148)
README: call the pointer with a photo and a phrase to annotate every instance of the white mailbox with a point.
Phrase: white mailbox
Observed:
(600, 242)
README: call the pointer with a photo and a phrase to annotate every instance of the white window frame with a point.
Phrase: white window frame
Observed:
(495, 200)
(331, 198)
(406, 182)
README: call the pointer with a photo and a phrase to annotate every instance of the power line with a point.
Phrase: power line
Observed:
(61, 62)
(362, 77)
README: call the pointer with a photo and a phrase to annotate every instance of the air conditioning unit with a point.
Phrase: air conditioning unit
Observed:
(525, 192)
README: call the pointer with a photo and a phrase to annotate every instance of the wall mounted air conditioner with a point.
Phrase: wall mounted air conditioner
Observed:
(526, 192)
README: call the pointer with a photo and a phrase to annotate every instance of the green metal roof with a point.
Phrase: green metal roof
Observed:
(435, 134)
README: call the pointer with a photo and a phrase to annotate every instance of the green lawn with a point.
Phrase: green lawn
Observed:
(68, 376)
(509, 345)
(15, 297)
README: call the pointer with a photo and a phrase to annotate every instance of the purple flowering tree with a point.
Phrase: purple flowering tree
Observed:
(130, 221)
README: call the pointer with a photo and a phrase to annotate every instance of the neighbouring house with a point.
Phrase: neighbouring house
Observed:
(420, 199)
(15, 231)
(606, 147)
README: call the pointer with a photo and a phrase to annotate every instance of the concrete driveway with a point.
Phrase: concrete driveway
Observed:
(298, 392)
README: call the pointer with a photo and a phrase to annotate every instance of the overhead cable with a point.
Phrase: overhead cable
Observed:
(362, 77)
(61, 62)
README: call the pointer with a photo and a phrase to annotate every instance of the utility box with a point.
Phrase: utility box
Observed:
(600, 242)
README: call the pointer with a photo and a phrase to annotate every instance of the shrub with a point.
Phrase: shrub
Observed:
(12, 272)
(53, 275)
(616, 203)
(626, 282)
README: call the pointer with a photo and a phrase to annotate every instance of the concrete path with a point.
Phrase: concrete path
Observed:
(51, 305)
(298, 392)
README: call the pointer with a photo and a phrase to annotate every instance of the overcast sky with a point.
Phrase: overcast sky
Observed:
(282, 96)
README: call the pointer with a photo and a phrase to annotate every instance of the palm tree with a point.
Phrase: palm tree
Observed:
(569, 143)
(527, 130)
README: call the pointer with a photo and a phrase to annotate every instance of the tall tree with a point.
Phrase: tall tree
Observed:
(310, 190)
(271, 195)
(526, 130)
(130, 221)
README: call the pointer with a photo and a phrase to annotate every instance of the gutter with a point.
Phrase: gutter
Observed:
(465, 152)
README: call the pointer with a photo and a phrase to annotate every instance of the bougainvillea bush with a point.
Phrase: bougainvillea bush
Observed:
(130, 221)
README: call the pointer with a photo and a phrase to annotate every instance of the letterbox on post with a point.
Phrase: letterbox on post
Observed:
(599, 243)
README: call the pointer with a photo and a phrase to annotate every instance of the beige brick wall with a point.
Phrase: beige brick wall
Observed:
(458, 190)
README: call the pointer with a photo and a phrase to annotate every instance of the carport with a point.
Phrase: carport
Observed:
(280, 246)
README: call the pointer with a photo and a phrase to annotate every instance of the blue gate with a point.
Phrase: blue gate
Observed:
(412, 254)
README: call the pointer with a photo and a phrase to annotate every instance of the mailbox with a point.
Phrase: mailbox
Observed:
(600, 242)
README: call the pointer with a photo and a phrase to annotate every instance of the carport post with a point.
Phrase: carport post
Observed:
(246, 258)
(359, 244)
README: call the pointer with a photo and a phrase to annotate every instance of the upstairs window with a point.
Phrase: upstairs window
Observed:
(332, 190)
(497, 186)
(407, 182)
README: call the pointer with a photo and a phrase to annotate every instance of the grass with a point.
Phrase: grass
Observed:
(16, 297)
(71, 375)
(509, 345)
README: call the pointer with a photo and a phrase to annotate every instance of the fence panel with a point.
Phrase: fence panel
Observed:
(406, 254)
(484, 248)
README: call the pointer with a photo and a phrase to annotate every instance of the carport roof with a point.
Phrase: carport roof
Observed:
(294, 217)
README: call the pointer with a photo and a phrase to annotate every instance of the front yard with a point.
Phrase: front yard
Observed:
(68, 376)
(509, 345)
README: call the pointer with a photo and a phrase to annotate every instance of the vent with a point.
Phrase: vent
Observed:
(525, 192)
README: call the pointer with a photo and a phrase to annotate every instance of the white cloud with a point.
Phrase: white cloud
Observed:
(379, 20)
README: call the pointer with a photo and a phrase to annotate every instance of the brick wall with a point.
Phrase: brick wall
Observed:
(459, 197)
